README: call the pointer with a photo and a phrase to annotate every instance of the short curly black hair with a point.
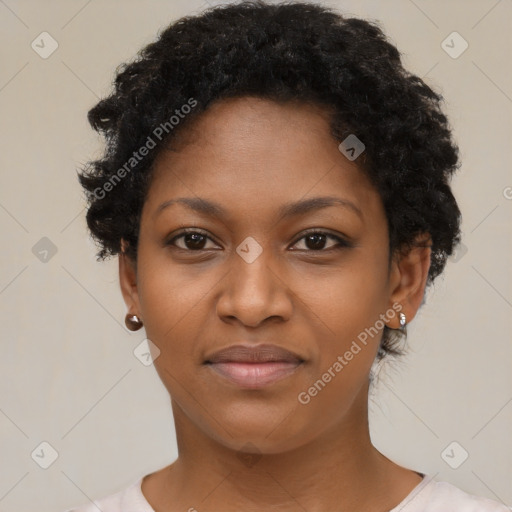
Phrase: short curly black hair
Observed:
(290, 51)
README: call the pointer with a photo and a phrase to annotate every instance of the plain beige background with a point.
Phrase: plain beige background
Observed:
(69, 376)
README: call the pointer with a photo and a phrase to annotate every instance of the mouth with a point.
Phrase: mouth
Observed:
(254, 367)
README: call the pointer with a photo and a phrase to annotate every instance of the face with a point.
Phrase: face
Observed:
(268, 265)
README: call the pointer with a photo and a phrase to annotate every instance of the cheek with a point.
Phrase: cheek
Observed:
(346, 306)
(171, 304)
(173, 309)
(347, 299)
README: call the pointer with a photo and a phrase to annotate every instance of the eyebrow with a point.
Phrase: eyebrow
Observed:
(207, 207)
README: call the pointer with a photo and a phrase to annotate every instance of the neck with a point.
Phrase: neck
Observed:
(336, 469)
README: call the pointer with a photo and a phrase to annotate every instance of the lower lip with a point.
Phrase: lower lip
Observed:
(254, 375)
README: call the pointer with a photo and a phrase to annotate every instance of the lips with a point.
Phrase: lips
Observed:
(253, 354)
(254, 366)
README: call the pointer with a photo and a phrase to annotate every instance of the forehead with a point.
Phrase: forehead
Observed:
(260, 152)
(254, 116)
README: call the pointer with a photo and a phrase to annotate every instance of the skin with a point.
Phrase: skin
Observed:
(251, 156)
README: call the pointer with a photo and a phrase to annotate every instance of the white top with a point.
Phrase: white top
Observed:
(427, 496)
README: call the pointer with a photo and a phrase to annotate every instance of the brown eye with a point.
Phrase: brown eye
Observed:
(192, 241)
(316, 241)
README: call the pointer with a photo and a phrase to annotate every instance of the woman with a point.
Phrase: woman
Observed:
(276, 186)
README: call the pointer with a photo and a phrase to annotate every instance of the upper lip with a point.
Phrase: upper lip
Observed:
(262, 353)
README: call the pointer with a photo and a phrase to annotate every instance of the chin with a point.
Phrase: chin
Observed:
(260, 433)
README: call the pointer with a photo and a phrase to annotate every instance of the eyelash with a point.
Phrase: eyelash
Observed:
(342, 243)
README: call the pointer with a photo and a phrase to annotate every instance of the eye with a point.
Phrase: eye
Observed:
(193, 240)
(316, 240)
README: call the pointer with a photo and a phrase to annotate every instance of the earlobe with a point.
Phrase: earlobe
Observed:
(408, 278)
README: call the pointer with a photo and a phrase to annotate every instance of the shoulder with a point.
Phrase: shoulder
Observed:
(443, 495)
(129, 499)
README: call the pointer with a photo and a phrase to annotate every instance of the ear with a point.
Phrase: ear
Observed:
(128, 281)
(408, 278)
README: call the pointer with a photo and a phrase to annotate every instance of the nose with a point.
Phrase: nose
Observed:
(254, 292)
